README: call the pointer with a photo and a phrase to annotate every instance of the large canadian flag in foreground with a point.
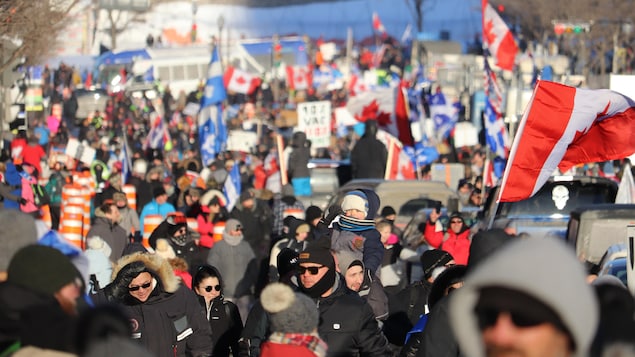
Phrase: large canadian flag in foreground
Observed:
(398, 165)
(499, 40)
(239, 81)
(565, 126)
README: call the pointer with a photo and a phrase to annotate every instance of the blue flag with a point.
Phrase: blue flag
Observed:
(212, 133)
(232, 187)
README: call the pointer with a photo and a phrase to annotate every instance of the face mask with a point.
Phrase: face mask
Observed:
(181, 239)
(322, 286)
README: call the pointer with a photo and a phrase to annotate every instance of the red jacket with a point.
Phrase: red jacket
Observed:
(457, 244)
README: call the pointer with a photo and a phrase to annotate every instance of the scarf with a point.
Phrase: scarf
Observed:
(232, 240)
(353, 224)
(311, 341)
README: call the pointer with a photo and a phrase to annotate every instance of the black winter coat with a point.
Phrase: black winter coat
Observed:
(299, 157)
(348, 325)
(226, 325)
(368, 158)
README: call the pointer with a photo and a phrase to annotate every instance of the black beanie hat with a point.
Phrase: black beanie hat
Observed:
(312, 212)
(387, 211)
(318, 252)
(433, 258)
(158, 191)
(42, 269)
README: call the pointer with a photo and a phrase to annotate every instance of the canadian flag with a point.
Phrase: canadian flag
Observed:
(298, 77)
(398, 165)
(498, 38)
(377, 25)
(239, 81)
(564, 126)
(357, 85)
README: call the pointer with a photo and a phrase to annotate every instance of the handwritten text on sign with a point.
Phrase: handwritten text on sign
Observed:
(314, 119)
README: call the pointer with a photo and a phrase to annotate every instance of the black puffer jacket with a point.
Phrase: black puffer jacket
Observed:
(348, 325)
(368, 158)
(171, 322)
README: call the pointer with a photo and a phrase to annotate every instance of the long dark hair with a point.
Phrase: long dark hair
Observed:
(206, 271)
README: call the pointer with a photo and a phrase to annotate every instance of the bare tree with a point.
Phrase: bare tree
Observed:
(32, 29)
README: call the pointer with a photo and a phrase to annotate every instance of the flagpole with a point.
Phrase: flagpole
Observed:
(512, 154)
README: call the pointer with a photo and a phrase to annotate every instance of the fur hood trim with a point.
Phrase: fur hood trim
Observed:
(159, 266)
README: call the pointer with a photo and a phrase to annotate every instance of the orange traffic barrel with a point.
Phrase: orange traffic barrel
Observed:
(72, 224)
(219, 229)
(150, 223)
(131, 195)
(46, 216)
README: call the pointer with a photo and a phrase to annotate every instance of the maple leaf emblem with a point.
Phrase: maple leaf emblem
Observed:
(241, 80)
(490, 35)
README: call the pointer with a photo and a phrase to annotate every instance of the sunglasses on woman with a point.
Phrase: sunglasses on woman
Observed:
(311, 270)
(209, 288)
(143, 286)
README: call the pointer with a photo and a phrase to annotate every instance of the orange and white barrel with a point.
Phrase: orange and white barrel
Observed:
(219, 229)
(46, 216)
(131, 196)
(150, 223)
(72, 224)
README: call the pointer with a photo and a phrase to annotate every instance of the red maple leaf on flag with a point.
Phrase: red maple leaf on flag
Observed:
(490, 35)
(371, 112)
(241, 80)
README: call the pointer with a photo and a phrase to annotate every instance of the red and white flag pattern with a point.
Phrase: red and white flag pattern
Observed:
(240, 81)
(298, 77)
(498, 38)
(398, 166)
(377, 25)
(564, 126)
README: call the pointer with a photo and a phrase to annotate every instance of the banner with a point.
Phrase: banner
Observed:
(240, 140)
(314, 119)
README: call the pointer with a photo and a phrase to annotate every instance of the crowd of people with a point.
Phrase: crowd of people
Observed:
(183, 269)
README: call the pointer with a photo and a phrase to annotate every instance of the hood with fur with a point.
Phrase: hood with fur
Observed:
(159, 268)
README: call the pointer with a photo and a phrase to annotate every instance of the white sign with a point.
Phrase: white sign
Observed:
(77, 150)
(243, 141)
(314, 119)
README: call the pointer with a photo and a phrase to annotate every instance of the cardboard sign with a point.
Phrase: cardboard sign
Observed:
(314, 119)
(243, 141)
(79, 151)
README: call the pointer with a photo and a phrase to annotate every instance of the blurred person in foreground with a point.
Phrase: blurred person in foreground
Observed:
(516, 304)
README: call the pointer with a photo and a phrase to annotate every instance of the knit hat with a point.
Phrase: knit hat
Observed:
(119, 196)
(433, 258)
(18, 230)
(158, 191)
(346, 260)
(287, 261)
(317, 253)
(289, 312)
(387, 211)
(514, 267)
(303, 228)
(245, 195)
(42, 269)
(232, 224)
(312, 212)
(96, 243)
(355, 200)
(164, 249)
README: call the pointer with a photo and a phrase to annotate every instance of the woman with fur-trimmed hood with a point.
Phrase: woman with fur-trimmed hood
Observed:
(165, 315)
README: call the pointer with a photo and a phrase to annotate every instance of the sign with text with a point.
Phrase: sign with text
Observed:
(243, 141)
(314, 119)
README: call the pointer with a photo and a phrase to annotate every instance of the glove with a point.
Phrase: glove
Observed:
(23, 201)
(331, 213)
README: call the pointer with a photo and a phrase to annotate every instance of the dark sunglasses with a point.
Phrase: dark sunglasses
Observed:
(456, 221)
(144, 286)
(209, 288)
(312, 270)
(487, 317)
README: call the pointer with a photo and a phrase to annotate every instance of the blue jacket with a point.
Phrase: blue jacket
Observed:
(154, 208)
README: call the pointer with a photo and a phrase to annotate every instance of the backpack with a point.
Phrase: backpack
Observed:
(40, 196)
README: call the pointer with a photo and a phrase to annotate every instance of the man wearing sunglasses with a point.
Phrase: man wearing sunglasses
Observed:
(347, 323)
(530, 298)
